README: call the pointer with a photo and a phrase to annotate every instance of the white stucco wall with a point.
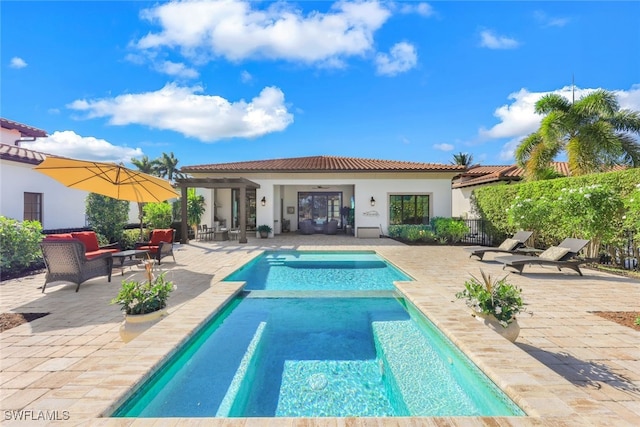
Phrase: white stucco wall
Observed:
(377, 216)
(62, 207)
(461, 202)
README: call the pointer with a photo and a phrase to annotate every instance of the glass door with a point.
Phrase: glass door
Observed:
(320, 207)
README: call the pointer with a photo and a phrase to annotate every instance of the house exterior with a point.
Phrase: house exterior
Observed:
(285, 192)
(26, 194)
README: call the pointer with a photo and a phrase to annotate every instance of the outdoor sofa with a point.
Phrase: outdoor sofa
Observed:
(67, 261)
(90, 241)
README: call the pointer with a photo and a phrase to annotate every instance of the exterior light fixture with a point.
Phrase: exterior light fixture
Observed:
(373, 201)
(263, 201)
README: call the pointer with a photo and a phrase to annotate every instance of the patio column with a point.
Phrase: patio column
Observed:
(242, 212)
(184, 235)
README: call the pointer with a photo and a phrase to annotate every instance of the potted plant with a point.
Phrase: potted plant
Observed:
(495, 302)
(264, 231)
(143, 303)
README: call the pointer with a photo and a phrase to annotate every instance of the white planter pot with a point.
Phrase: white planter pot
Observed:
(135, 324)
(511, 332)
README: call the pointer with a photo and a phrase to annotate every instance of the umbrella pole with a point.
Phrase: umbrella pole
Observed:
(140, 217)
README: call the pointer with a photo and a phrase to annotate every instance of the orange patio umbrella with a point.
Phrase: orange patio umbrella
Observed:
(108, 179)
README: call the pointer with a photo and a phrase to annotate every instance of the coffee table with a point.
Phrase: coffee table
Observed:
(126, 258)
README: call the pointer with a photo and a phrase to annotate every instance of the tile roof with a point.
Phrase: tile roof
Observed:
(323, 164)
(477, 175)
(25, 131)
(21, 155)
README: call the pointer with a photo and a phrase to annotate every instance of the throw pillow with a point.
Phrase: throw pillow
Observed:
(509, 244)
(89, 239)
(158, 236)
(554, 253)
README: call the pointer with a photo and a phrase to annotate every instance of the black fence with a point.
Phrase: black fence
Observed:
(626, 255)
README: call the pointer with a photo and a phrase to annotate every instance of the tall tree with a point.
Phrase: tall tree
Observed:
(593, 131)
(463, 159)
(167, 166)
(145, 165)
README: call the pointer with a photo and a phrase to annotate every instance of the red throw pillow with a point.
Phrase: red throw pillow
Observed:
(158, 236)
(89, 239)
(58, 236)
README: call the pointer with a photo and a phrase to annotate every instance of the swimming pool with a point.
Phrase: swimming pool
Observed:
(318, 271)
(310, 354)
(315, 357)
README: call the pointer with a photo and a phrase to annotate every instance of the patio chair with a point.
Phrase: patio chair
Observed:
(66, 261)
(331, 227)
(160, 244)
(509, 246)
(306, 227)
(565, 255)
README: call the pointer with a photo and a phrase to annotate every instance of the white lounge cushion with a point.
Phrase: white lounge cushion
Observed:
(554, 253)
(509, 244)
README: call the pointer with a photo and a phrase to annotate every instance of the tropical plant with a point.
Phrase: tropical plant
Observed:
(19, 244)
(594, 132)
(462, 159)
(449, 230)
(145, 165)
(167, 166)
(195, 207)
(264, 228)
(144, 297)
(107, 216)
(498, 297)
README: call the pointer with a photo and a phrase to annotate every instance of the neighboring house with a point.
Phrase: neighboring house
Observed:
(26, 194)
(288, 191)
(481, 176)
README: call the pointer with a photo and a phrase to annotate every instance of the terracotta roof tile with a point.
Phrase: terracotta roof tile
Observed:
(322, 163)
(19, 154)
(24, 130)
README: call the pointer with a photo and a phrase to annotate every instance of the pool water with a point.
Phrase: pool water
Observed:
(298, 357)
(322, 271)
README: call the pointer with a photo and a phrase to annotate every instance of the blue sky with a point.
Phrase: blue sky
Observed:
(229, 81)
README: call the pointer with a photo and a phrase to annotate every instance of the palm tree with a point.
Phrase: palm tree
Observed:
(594, 132)
(463, 159)
(145, 165)
(167, 166)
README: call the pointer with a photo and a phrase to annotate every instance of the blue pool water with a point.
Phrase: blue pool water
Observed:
(295, 357)
(326, 271)
(354, 349)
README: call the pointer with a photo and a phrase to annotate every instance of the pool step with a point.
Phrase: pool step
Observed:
(332, 388)
(415, 371)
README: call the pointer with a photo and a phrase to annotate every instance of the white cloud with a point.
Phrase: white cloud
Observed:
(17, 62)
(246, 76)
(443, 147)
(177, 69)
(69, 144)
(205, 117)
(549, 21)
(401, 58)
(491, 40)
(238, 30)
(423, 9)
(518, 119)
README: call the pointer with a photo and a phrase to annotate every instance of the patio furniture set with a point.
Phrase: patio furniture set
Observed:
(77, 257)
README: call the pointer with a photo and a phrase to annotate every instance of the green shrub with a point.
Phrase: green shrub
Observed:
(412, 233)
(158, 215)
(19, 244)
(131, 237)
(107, 216)
(449, 230)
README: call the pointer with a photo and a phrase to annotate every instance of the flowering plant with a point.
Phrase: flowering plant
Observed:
(144, 297)
(496, 297)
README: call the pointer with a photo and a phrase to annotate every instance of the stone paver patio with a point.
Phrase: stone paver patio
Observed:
(569, 367)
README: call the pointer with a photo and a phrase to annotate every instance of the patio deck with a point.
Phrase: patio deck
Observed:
(569, 367)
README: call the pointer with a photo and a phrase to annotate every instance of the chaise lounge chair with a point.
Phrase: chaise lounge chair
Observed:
(509, 246)
(562, 256)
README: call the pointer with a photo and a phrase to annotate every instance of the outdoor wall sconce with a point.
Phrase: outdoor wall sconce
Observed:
(373, 201)
(263, 201)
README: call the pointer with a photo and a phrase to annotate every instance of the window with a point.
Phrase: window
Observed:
(320, 206)
(409, 209)
(33, 207)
